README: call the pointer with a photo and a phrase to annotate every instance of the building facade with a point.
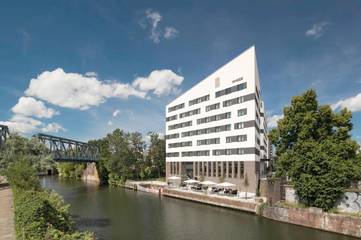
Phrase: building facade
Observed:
(217, 129)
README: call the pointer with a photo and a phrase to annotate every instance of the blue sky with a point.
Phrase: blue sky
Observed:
(83, 68)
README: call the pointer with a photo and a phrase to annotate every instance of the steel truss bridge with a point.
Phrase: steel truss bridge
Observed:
(4, 134)
(68, 150)
(61, 149)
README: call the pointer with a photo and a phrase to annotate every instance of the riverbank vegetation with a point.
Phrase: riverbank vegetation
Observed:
(126, 155)
(315, 150)
(39, 213)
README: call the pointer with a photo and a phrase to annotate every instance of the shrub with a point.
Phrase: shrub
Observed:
(43, 215)
(21, 175)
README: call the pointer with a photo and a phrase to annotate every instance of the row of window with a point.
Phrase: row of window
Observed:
(171, 136)
(199, 100)
(207, 130)
(214, 106)
(190, 113)
(229, 151)
(214, 118)
(180, 144)
(180, 125)
(171, 118)
(220, 93)
(195, 153)
(176, 107)
(227, 127)
(230, 90)
(226, 169)
(237, 138)
(216, 152)
(208, 141)
(217, 169)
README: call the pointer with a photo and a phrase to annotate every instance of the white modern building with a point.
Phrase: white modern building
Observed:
(217, 129)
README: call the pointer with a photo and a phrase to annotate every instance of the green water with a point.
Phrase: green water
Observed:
(116, 213)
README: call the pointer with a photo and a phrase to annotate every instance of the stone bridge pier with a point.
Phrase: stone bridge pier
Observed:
(90, 173)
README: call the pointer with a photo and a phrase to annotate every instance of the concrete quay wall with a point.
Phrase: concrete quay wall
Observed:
(238, 204)
(316, 218)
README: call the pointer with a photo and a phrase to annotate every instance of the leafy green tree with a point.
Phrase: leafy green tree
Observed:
(314, 148)
(156, 153)
(35, 152)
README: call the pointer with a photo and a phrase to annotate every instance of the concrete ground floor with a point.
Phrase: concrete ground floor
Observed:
(235, 172)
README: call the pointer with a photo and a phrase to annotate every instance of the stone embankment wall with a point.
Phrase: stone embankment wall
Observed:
(315, 218)
(212, 200)
(349, 202)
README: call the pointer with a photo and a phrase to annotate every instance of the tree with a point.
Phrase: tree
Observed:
(314, 148)
(156, 153)
(33, 149)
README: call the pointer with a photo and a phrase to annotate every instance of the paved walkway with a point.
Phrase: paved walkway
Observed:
(7, 228)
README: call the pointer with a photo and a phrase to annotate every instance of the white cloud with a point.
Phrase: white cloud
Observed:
(77, 91)
(53, 127)
(352, 103)
(152, 19)
(116, 112)
(110, 123)
(23, 124)
(170, 32)
(29, 106)
(272, 120)
(161, 82)
(317, 30)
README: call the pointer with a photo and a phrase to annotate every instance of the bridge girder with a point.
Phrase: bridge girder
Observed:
(68, 150)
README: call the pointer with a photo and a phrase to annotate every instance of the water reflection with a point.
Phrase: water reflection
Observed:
(116, 213)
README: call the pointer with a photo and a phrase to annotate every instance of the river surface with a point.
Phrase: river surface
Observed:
(117, 213)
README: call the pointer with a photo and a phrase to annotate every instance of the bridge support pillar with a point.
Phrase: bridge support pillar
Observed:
(90, 173)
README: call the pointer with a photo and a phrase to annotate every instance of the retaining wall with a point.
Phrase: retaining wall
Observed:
(315, 218)
(212, 199)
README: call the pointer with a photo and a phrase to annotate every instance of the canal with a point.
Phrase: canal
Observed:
(117, 213)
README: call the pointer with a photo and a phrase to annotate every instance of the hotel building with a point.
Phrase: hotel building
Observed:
(217, 129)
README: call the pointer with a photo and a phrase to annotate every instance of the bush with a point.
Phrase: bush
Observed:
(43, 215)
(21, 175)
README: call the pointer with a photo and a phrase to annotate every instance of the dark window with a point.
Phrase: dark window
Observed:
(180, 125)
(213, 107)
(214, 118)
(242, 112)
(180, 144)
(199, 100)
(171, 136)
(176, 107)
(190, 113)
(230, 90)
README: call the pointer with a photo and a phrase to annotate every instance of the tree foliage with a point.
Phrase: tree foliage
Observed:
(35, 152)
(314, 148)
(124, 155)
